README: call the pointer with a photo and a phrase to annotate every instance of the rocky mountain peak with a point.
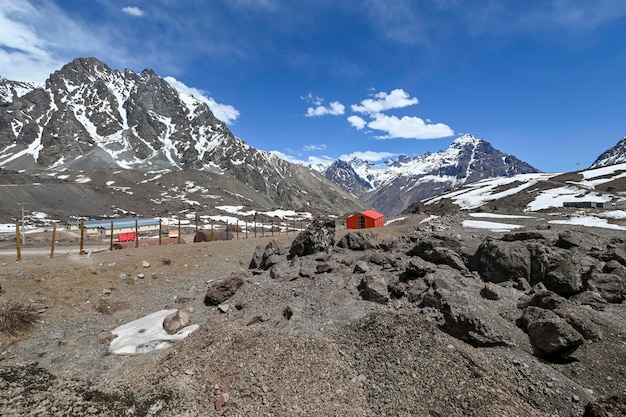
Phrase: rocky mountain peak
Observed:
(612, 156)
(90, 117)
(398, 183)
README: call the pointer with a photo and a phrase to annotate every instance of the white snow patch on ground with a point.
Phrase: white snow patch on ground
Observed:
(146, 334)
(7, 228)
(290, 214)
(82, 179)
(387, 223)
(589, 221)
(613, 214)
(492, 226)
(499, 216)
(429, 218)
(555, 197)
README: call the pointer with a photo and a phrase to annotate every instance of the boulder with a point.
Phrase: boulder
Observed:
(558, 269)
(584, 241)
(361, 267)
(592, 299)
(374, 288)
(497, 261)
(221, 290)
(417, 268)
(550, 334)
(264, 258)
(177, 320)
(576, 316)
(319, 236)
(611, 287)
(467, 320)
(355, 241)
(283, 272)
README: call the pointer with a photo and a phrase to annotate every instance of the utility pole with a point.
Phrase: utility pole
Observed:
(23, 229)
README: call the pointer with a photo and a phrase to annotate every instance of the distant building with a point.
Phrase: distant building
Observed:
(103, 227)
(365, 220)
(616, 205)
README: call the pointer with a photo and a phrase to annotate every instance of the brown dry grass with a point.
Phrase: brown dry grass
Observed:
(16, 318)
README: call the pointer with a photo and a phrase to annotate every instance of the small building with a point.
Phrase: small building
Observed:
(103, 227)
(365, 220)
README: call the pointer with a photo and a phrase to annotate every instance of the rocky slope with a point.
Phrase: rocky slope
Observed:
(393, 187)
(598, 187)
(90, 118)
(438, 320)
(615, 155)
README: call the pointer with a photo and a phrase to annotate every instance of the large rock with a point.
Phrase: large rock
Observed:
(558, 269)
(355, 241)
(466, 318)
(265, 258)
(550, 334)
(578, 317)
(611, 286)
(177, 320)
(497, 261)
(221, 290)
(587, 242)
(319, 236)
(374, 288)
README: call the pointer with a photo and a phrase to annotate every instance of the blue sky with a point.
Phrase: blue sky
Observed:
(544, 80)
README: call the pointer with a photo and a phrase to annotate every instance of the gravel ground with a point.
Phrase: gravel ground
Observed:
(306, 347)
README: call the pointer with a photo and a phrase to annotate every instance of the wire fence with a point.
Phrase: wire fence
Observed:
(114, 238)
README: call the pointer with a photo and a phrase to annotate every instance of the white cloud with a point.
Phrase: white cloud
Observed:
(408, 127)
(335, 108)
(310, 161)
(372, 156)
(308, 148)
(133, 11)
(225, 112)
(382, 101)
(357, 122)
(24, 54)
(314, 100)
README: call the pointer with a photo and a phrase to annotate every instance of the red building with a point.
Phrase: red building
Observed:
(365, 220)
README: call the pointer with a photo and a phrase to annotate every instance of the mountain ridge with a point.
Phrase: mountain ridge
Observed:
(89, 117)
(406, 180)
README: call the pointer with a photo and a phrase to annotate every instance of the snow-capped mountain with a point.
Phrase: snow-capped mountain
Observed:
(594, 187)
(395, 185)
(10, 89)
(615, 155)
(89, 117)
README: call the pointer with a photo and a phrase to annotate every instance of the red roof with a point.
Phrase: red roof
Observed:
(372, 214)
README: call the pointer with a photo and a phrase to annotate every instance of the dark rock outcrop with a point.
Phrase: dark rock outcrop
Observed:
(222, 289)
(319, 236)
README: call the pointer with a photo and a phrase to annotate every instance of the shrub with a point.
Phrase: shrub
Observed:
(16, 318)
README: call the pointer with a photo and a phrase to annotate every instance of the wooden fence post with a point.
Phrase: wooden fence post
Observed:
(54, 237)
(211, 230)
(196, 228)
(82, 237)
(136, 233)
(160, 230)
(178, 240)
(111, 238)
(237, 229)
(272, 226)
(18, 240)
